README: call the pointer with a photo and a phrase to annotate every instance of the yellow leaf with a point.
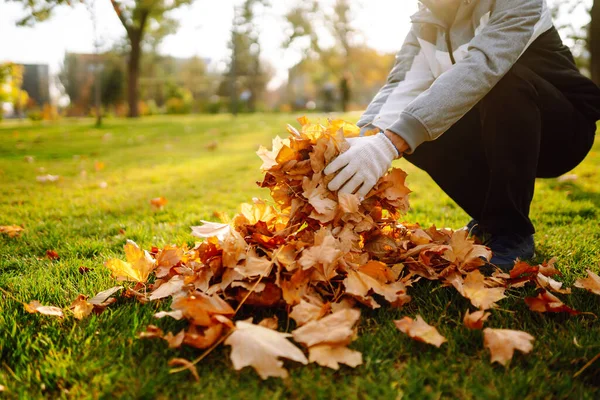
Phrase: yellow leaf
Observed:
(138, 266)
(11, 230)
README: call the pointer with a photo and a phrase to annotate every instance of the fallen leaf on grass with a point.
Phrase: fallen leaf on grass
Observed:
(547, 302)
(419, 330)
(174, 285)
(101, 298)
(84, 269)
(158, 202)
(476, 319)
(591, 283)
(52, 255)
(81, 308)
(503, 342)
(260, 348)
(98, 166)
(11, 230)
(328, 337)
(138, 266)
(476, 291)
(47, 178)
(35, 307)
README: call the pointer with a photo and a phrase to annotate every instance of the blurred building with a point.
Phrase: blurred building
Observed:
(36, 82)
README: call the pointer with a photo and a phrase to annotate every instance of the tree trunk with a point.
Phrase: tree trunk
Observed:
(133, 71)
(594, 42)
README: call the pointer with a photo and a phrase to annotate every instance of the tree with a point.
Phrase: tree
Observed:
(305, 20)
(137, 17)
(586, 38)
(246, 74)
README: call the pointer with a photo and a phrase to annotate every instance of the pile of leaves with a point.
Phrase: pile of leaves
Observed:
(320, 257)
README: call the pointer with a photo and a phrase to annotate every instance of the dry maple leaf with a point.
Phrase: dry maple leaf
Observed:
(11, 230)
(52, 255)
(473, 288)
(211, 229)
(138, 266)
(547, 302)
(260, 347)
(81, 308)
(476, 319)
(35, 307)
(199, 308)
(100, 298)
(331, 356)
(419, 330)
(336, 329)
(173, 286)
(503, 342)
(158, 203)
(305, 312)
(591, 283)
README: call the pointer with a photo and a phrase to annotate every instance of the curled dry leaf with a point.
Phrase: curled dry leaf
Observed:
(81, 308)
(158, 203)
(199, 308)
(35, 307)
(474, 288)
(261, 348)
(419, 330)
(11, 230)
(503, 343)
(173, 286)
(476, 319)
(547, 302)
(211, 229)
(591, 283)
(52, 255)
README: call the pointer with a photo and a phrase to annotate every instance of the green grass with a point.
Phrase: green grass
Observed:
(100, 357)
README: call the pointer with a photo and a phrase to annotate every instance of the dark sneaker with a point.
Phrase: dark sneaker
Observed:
(477, 232)
(506, 249)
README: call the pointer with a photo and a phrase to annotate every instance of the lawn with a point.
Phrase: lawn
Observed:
(89, 213)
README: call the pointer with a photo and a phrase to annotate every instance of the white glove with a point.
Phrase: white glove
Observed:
(362, 165)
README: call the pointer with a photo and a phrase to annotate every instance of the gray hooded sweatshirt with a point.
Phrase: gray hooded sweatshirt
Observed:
(445, 68)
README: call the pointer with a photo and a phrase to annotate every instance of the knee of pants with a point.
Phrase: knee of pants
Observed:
(519, 81)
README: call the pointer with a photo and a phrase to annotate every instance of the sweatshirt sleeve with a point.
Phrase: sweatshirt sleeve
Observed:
(403, 62)
(491, 54)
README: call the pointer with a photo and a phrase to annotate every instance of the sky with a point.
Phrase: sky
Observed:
(204, 31)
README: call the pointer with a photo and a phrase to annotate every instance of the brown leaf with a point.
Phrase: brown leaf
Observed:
(349, 203)
(52, 255)
(503, 343)
(158, 202)
(420, 331)
(81, 308)
(476, 319)
(305, 312)
(35, 307)
(271, 323)
(591, 283)
(335, 329)
(261, 348)
(100, 298)
(11, 230)
(331, 356)
(199, 308)
(173, 286)
(475, 290)
(547, 302)
(203, 340)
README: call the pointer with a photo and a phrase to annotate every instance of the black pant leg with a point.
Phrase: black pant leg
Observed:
(456, 162)
(488, 161)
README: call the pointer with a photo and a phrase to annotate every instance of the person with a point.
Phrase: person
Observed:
(485, 98)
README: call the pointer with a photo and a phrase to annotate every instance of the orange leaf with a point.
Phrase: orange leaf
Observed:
(11, 230)
(591, 283)
(52, 255)
(35, 307)
(547, 302)
(503, 343)
(158, 202)
(475, 320)
(419, 330)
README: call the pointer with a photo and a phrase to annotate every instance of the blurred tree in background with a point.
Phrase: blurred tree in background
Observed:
(247, 75)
